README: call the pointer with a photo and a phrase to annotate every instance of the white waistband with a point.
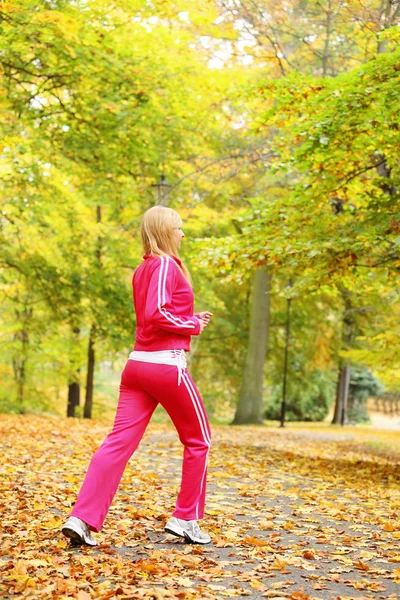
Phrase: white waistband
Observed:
(162, 357)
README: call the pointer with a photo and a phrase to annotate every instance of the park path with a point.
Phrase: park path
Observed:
(298, 514)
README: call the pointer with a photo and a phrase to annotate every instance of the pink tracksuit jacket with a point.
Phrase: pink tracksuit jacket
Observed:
(164, 305)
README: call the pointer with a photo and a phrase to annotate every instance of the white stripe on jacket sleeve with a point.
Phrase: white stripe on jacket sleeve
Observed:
(161, 294)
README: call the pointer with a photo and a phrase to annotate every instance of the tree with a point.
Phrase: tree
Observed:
(250, 405)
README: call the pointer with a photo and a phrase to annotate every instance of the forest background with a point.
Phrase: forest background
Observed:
(272, 128)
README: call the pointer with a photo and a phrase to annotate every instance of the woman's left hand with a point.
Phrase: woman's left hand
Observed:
(205, 316)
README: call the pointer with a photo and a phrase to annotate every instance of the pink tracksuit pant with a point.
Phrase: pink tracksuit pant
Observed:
(143, 386)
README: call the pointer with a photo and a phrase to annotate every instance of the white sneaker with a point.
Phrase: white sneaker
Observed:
(78, 532)
(189, 530)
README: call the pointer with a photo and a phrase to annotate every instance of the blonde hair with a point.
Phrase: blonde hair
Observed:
(157, 234)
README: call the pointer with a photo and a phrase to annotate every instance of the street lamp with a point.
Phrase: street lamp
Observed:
(285, 364)
(162, 189)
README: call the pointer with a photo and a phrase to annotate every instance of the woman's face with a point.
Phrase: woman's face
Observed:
(177, 235)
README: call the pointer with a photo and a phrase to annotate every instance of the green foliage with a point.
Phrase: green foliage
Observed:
(218, 356)
(363, 385)
(309, 397)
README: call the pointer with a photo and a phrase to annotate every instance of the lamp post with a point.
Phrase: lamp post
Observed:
(162, 189)
(285, 363)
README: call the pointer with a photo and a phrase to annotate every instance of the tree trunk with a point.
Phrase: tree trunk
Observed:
(19, 368)
(74, 389)
(22, 371)
(389, 14)
(250, 405)
(91, 356)
(343, 386)
(87, 410)
(338, 401)
(286, 362)
(343, 395)
(388, 19)
(74, 397)
(325, 55)
(194, 344)
(20, 361)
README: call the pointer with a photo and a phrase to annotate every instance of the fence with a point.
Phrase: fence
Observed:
(388, 403)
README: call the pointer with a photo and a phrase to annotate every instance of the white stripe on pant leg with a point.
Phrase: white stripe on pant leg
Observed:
(205, 436)
(202, 482)
(199, 405)
(200, 408)
(196, 408)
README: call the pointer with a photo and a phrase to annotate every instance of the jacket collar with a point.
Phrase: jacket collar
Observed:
(176, 259)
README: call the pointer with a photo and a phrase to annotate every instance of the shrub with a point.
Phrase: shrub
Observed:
(363, 384)
(308, 398)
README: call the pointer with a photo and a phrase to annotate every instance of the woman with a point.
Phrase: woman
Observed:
(155, 373)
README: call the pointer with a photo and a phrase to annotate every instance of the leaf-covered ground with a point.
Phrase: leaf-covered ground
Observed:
(293, 513)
